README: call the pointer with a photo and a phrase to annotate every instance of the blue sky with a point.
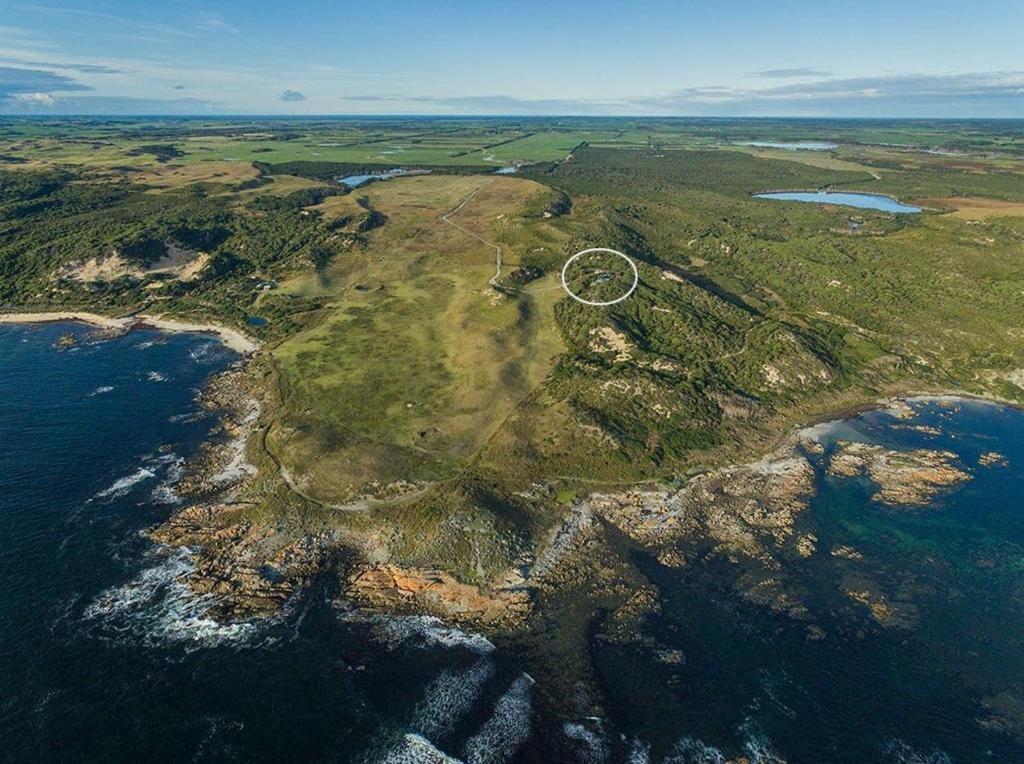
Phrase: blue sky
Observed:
(721, 58)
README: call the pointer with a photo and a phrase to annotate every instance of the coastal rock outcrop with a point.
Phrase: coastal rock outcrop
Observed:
(904, 478)
(749, 510)
(249, 569)
(396, 589)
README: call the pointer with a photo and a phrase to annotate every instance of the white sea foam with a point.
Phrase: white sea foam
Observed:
(775, 683)
(156, 376)
(690, 750)
(757, 745)
(172, 467)
(175, 468)
(449, 697)
(123, 485)
(416, 749)
(201, 351)
(166, 495)
(508, 728)
(639, 752)
(901, 752)
(156, 607)
(426, 630)
(591, 748)
(100, 391)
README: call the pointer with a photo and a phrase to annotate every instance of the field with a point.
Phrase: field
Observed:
(460, 416)
(416, 361)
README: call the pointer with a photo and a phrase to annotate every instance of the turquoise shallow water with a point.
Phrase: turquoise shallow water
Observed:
(103, 656)
(946, 687)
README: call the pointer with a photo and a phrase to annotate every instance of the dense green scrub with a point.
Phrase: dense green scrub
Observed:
(750, 308)
(48, 220)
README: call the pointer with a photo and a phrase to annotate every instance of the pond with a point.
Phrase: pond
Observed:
(859, 200)
(354, 181)
(795, 146)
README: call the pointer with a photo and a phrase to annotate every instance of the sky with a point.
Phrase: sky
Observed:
(516, 57)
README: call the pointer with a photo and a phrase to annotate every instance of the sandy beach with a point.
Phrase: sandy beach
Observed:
(231, 338)
(107, 322)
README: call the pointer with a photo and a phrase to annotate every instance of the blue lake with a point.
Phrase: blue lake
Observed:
(354, 181)
(860, 201)
(797, 146)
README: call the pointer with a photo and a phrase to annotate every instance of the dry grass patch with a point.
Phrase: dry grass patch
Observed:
(975, 208)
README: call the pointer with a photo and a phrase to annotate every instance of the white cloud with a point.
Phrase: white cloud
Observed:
(35, 99)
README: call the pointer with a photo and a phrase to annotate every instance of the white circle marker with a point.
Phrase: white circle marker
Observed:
(577, 298)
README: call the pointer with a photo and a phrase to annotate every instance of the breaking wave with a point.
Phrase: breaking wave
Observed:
(123, 485)
(156, 376)
(690, 750)
(416, 749)
(202, 351)
(507, 729)
(157, 608)
(175, 469)
(170, 466)
(103, 390)
(756, 744)
(449, 697)
(591, 748)
(427, 631)
(639, 752)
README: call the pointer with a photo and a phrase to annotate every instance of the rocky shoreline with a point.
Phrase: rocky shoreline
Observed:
(750, 514)
(251, 568)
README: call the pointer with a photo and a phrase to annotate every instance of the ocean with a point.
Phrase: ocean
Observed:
(106, 656)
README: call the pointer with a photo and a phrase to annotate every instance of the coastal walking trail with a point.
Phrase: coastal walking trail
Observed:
(446, 218)
(497, 250)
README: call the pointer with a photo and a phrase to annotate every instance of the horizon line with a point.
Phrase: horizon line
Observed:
(279, 115)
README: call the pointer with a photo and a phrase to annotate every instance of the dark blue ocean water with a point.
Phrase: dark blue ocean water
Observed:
(105, 657)
(947, 686)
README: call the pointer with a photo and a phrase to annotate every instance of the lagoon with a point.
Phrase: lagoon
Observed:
(858, 200)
